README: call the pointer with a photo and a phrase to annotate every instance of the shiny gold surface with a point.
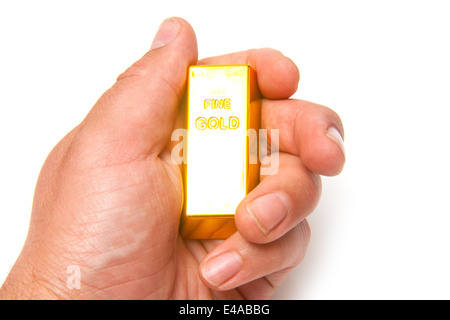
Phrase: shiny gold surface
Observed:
(223, 103)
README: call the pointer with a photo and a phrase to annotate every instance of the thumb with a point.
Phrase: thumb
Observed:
(136, 116)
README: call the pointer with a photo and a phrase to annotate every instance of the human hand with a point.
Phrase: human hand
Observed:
(109, 197)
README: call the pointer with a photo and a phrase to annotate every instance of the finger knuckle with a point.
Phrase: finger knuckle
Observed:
(136, 71)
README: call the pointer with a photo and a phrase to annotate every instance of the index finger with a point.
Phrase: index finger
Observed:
(277, 75)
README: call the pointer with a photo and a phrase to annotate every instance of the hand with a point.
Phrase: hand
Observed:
(108, 197)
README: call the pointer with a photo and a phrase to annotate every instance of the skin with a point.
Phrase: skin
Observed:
(109, 198)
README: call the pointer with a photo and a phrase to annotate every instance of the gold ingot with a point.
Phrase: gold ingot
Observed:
(223, 106)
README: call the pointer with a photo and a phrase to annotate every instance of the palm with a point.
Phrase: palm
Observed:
(127, 214)
(179, 272)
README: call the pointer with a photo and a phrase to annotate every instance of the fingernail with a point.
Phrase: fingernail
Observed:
(222, 268)
(334, 135)
(268, 210)
(168, 30)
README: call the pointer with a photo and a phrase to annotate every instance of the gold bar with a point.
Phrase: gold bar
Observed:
(223, 103)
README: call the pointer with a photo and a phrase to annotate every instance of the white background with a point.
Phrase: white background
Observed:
(381, 230)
